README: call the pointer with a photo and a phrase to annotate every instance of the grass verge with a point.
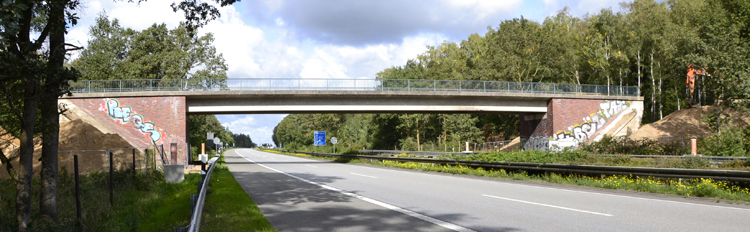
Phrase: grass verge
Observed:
(707, 188)
(229, 208)
(144, 203)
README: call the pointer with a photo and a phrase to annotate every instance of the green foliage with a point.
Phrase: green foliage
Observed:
(627, 146)
(160, 205)
(379, 131)
(115, 52)
(199, 125)
(729, 142)
(243, 140)
(649, 44)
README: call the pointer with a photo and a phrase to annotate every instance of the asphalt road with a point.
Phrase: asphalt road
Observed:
(298, 194)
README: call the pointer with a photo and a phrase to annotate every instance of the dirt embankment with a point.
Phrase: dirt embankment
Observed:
(76, 138)
(688, 122)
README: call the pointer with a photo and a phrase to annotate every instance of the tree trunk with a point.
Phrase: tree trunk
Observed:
(677, 94)
(653, 87)
(26, 156)
(419, 146)
(661, 98)
(639, 69)
(8, 167)
(49, 111)
(620, 80)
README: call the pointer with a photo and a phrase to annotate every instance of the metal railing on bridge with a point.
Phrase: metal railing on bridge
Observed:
(140, 85)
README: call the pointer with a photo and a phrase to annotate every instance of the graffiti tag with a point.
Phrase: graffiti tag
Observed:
(584, 131)
(125, 114)
(539, 143)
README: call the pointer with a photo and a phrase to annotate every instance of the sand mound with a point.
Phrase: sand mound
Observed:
(77, 137)
(688, 122)
(80, 135)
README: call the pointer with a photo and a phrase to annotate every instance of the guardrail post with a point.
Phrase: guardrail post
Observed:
(89, 86)
(554, 88)
(485, 86)
(434, 85)
(408, 85)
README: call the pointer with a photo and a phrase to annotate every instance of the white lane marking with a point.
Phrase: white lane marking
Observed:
(376, 202)
(636, 198)
(552, 206)
(362, 175)
(311, 166)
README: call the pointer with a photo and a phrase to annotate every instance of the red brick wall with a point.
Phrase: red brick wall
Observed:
(569, 112)
(142, 121)
(570, 121)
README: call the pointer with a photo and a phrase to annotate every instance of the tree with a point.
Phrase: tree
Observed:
(243, 140)
(34, 77)
(154, 53)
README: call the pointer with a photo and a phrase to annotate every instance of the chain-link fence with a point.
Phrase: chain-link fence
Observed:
(489, 146)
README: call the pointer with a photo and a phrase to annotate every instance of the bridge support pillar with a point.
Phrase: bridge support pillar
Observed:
(570, 122)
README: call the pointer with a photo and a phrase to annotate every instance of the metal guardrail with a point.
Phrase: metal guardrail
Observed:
(197, 214)
(140, 85)
(727, 175)
(416, 153)
(432, 153)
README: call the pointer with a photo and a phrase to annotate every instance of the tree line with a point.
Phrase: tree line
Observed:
(648, 44)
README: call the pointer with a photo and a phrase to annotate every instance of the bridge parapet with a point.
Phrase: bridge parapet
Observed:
(161, 85)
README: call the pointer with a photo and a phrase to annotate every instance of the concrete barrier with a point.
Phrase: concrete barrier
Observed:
(174, 173)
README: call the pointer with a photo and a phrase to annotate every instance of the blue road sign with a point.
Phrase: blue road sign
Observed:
(320, 138)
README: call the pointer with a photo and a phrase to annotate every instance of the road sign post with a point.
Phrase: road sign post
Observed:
(216, 143)
(334, 141)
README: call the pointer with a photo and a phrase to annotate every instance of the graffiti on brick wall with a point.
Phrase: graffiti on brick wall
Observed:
(125, 115)
(539, 143)
(584, 131)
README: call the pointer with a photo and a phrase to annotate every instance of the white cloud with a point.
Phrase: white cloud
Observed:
(259, 126)
(481, 9)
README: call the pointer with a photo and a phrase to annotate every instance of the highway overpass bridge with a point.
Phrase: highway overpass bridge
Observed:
(552, 115)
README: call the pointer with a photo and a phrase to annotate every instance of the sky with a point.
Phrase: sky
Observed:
(327, 38)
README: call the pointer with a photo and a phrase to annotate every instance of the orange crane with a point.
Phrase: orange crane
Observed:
(695, 74)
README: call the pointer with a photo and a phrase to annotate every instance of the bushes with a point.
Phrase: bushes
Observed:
(729, 142)
(624, 145)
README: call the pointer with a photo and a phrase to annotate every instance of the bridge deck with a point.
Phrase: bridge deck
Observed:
(358, 101)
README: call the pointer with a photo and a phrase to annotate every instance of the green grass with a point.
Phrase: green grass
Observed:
(696, 187)
(144, 203)
(583, 158)
(229, 208)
